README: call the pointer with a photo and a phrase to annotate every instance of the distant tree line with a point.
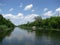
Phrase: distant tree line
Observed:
(50, 23)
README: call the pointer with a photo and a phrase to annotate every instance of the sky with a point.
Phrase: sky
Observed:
(22, 11)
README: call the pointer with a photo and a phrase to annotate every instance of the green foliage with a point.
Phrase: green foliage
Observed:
(5, 22)
(49, 23)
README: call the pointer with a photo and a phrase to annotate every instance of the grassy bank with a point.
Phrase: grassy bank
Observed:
(4, 28)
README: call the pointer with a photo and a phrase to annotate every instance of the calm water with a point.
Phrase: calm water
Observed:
(27, 37)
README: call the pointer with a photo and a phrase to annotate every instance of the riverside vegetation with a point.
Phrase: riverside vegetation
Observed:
(52, 23)
(5, 24)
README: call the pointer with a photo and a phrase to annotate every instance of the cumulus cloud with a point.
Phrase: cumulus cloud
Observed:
(28, 7)
(45, 9)
(20, 15)
(30, 17)
(11, 9)
(20, 18)
(48, 13)
(9, 16)
(58, 9)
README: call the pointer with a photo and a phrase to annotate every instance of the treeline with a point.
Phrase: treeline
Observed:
(49, 23)
(5, 23)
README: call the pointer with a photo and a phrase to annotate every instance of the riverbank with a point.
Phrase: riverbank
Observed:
(4, 28)
(52, 23)
(39, 29)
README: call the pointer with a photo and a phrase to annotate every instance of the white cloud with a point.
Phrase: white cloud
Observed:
(48, 13)
(45, 9)
(51, 13)
(28, 7)
(30, 17)
(20, 18)
(20, 14)
(58, 9)
(11, 9)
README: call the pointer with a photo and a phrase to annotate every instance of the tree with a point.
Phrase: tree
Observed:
(6, 22)
(38, 20)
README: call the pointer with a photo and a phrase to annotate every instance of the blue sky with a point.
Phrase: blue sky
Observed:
(38, 5)
(29, 7)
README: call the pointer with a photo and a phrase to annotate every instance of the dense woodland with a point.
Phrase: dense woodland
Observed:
(48, 23)
(5, 23)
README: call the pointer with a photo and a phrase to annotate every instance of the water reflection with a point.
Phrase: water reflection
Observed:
(47, 37)
(3, 34)
(28, 37)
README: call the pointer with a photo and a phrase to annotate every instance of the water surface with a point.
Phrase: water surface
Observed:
(20, 36)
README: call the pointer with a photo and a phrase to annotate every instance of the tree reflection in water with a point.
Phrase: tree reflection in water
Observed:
(4, 33)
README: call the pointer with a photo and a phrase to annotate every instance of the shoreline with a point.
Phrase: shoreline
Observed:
(30, 28)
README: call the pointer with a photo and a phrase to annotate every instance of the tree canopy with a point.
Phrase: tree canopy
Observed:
(5, 22)
(52, 22)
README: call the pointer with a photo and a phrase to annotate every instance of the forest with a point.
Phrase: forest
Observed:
(49, 23)
(5, 23)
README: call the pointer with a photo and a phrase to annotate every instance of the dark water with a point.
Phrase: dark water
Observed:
(27, 37)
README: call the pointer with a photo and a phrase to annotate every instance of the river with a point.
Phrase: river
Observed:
(28, 37)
